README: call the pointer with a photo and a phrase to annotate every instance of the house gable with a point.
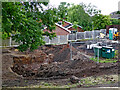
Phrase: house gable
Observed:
(59, 31)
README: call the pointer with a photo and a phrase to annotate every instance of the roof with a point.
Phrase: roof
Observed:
(70, 24)
(115, 15)
(63, 29)
(59, 30)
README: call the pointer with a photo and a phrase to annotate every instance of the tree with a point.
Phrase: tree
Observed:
(26, 20)
(82, 14)
(90, 9)
(63, 10)
(76, 13)
(100, 21)
(118, 12)
(115, 21)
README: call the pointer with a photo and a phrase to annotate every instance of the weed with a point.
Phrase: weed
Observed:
(116, 54)
(104, 61)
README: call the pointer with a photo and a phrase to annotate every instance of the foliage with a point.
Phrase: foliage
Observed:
(82, 14)
(118, 12)
(90, 9)
(116, 54)
(26, 21)
(63, 9)
(76, 13)
(100, 21)
(115, 21)
(75, 25)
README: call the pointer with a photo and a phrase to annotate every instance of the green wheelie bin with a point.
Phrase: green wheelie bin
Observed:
(108, 52)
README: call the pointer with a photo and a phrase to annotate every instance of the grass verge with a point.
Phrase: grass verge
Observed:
(104, 61)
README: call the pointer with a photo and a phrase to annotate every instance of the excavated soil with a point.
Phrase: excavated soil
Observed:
(55, 65)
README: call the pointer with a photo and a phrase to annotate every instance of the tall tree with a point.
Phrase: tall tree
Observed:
(90, 9)
(76, 13)
(82, 14)
(100, 21)
(27, 20)
(63, 10)
(115, 21)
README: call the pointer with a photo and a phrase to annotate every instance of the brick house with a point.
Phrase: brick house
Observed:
(65, 28)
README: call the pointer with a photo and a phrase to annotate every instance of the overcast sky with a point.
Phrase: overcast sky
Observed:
(106, 6)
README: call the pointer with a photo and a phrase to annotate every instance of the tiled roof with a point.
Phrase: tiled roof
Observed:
(63, 29)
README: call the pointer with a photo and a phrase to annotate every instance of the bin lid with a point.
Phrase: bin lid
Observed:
(97, 47)
(108, 47)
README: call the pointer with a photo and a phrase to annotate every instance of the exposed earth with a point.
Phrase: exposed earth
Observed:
(52, 64)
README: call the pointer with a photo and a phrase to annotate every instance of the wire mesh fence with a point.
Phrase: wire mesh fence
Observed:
(96, 33)
(86, 35)
(62, 39)
(103, 31)
(80, 35)
(72, 37)
(5, 42)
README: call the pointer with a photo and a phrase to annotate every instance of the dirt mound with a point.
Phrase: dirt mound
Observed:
(66, 68)
(53, 61)
(38, 56)
(49, 61)
(60, 52)
(79, 67)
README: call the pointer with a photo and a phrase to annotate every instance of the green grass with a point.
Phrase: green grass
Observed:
(116, 54)
(104, 61)
(84, 40)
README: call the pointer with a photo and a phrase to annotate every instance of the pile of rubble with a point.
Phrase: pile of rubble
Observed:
(27, 64)
(41, 64)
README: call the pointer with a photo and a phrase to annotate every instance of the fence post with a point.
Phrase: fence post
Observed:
(76, 36)
(10, 42)
(59, 39)
(84, 34)
(94, 34)
(49, 41)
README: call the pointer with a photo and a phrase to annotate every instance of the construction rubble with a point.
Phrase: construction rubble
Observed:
(42, 64)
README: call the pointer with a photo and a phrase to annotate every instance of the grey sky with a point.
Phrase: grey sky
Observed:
(106, 6)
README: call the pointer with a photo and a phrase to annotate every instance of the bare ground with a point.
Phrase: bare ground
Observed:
(80, 67)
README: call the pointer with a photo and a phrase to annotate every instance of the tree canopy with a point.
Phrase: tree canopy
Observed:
(87, 16)
(115, 21)
(80, 14)
(26, 20)
(76, 13)
(100, 21)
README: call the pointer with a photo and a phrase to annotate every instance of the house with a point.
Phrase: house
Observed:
(64, 28)
(115, 15)
(59, 30)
